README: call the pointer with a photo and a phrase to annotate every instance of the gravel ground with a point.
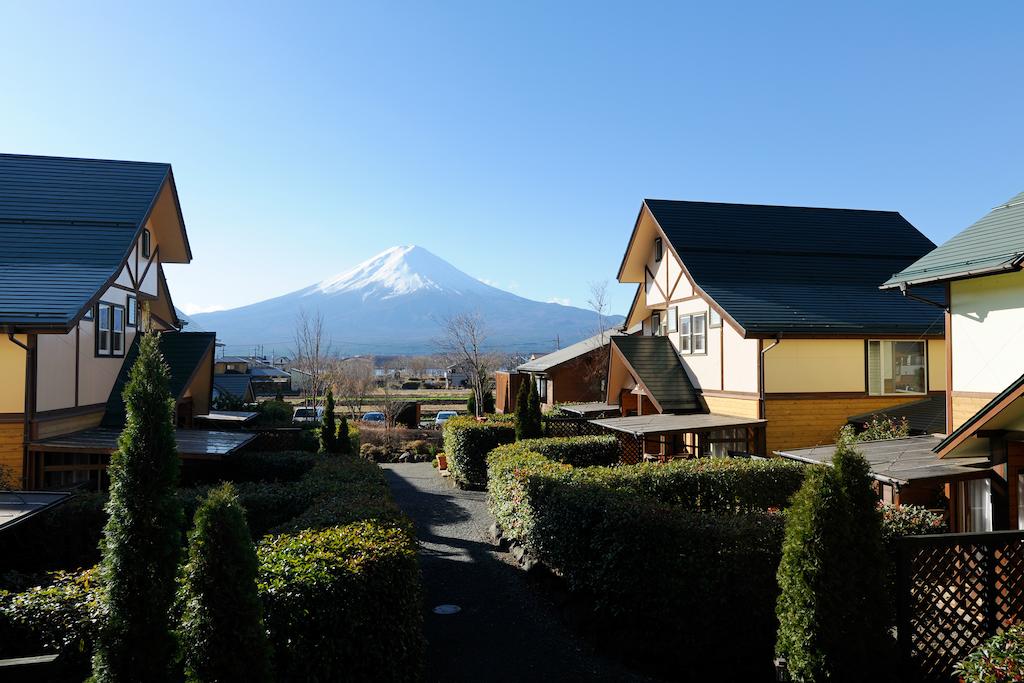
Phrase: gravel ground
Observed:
(510, 628)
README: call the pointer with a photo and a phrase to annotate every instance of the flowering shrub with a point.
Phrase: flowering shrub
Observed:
(879, 428)
(1000, 658)
(909, 520)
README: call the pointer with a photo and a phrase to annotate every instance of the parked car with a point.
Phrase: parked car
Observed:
(442, 417)
(373, 417)
(309, 415)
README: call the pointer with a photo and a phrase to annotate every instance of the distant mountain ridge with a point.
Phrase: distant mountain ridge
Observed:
(395, 302)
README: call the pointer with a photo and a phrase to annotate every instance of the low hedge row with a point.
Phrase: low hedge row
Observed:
(467, 443)
(278, 490)
(338, 579)
(685, 591)
(578, 451)
(338, 603)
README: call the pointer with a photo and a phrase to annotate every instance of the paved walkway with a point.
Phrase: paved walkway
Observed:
(508, 629)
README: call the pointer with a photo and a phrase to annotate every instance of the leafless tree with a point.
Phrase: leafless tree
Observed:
(353, 381)
(594, 365)
(312, 354)
(462, 343)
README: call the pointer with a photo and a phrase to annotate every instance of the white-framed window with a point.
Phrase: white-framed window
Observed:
(103, 324)
(659, 249)
(684, 333)
(897, 367)
(714, 319)
(673, 320)
(699, 333)
(133, 312)
(110, 319)
(655, 324)
(146, 243)
(974, 508)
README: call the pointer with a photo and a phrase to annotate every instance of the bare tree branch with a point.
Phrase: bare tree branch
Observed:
(312, 352)
(462, 343)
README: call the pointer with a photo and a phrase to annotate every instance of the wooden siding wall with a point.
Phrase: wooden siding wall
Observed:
(11, 448)
(965, 405)
(738, 407)
(568, 382)
(46, 428)
(801, 422)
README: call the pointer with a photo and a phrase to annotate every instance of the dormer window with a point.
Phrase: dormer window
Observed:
(110, 319)
(145, 243)
(658, 249)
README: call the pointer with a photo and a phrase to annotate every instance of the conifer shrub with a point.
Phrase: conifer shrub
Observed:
(832, 619)
(467, 443)
(488, 402)
(222, 633)
(329, 428)
(528, 422)
(344, 437)
(141, 542)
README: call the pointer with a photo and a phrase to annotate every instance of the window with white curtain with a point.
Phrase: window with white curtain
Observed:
(975, 508)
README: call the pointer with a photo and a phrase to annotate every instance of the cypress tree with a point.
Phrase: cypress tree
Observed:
(488, 402)
(523, 408)
(344, 440)
(532, 427)
(831, 606)
(471, 404)
(329, 428)
(141, 543)
(223, 638)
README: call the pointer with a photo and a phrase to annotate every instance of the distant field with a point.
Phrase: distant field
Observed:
(430, 400)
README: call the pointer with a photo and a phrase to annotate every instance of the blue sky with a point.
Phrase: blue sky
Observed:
(516, 140)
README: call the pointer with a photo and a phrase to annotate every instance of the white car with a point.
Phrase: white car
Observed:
(442, 417)
(314, 415)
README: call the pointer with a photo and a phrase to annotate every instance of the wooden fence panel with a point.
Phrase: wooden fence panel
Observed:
(953, 592)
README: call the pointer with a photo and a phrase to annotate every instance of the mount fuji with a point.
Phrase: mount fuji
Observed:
(395, 302)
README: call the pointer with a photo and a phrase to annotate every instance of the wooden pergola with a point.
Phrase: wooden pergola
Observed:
(668, 436)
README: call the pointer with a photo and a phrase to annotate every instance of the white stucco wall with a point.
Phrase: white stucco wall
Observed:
(987, 332)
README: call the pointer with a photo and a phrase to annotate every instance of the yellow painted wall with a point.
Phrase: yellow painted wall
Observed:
(12, 375)
(739, 407)
(936, 365)
(815, 365)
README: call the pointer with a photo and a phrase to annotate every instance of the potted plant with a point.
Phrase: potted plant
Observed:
(442, 461)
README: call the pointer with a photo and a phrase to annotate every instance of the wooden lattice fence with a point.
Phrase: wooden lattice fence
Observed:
(953, 592)
(630, 448)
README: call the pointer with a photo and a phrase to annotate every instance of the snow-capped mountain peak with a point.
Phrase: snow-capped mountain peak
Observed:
(395, 272)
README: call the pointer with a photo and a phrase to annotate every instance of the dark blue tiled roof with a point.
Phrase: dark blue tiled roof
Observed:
(65, 226)
(235, 384)
(778, 269)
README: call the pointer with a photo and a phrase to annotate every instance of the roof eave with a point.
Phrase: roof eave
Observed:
(1006, 266)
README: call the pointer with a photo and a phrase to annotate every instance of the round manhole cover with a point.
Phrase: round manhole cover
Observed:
(447, 609)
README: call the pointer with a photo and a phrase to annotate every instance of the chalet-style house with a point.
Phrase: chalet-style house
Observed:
(574, 374)
(763, 327)
(82, 248)
(974, 468)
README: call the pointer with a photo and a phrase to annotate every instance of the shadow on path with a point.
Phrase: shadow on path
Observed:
(507, 629)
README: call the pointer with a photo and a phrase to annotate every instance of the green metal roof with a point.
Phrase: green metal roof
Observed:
(992, 245)
(182, 352)
(658, 367)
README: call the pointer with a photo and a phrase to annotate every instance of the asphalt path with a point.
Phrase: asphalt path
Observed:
(509, 627)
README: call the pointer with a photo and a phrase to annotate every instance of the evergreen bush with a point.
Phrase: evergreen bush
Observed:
(528, 419)
(578, 451)
(222, 633)
(489, 403)
(141, 542)
(329, 428)
(831, 608)
(467, 443)
(344, 437)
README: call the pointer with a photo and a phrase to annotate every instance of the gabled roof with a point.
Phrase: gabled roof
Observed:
(994, 244)
(235, 384)
(66, 226)
(927, 416)
(183, 353)
(656, 366)
(788, 269)
(569, 353)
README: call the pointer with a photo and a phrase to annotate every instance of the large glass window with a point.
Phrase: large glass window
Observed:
(897, 367)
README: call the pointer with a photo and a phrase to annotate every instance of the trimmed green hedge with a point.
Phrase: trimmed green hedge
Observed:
(338, 580)
(343, 603)
(467, 443)
(578, 451)
(682, 590)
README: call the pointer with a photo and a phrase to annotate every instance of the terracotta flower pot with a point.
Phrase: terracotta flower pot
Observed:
(442, 461)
